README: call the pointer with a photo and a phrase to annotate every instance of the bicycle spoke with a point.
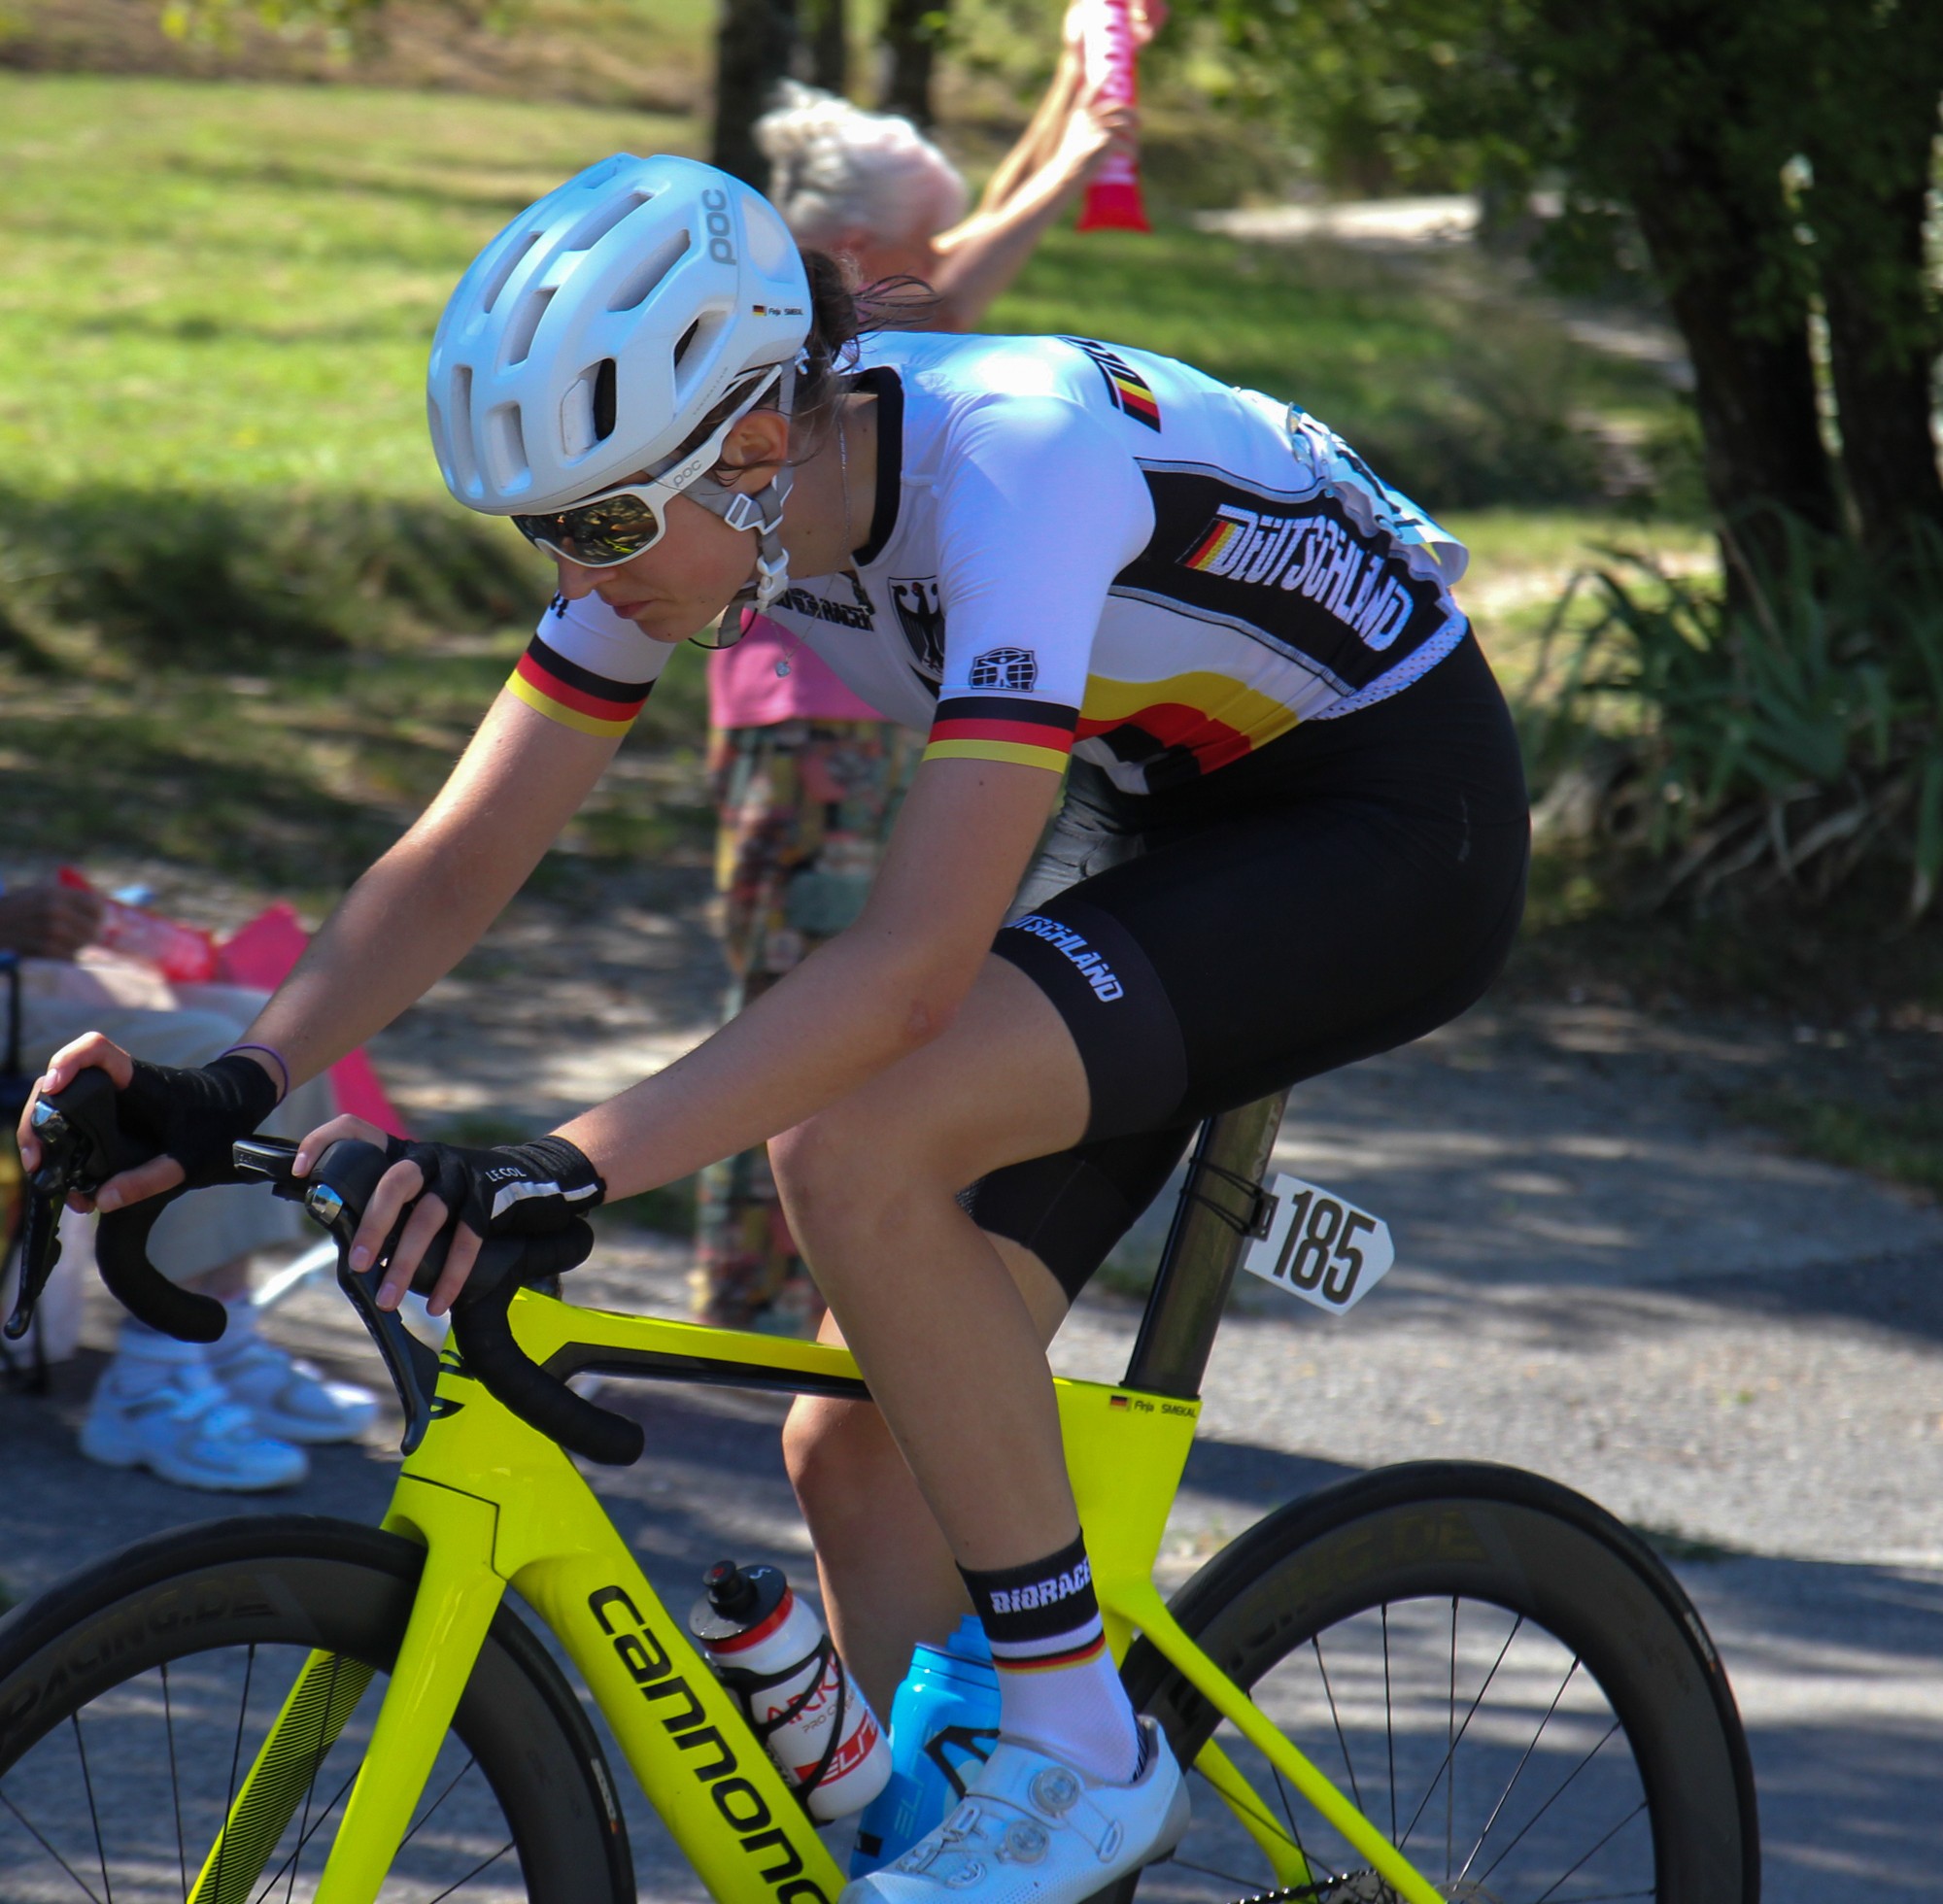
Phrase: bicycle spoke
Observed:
(80, 1883)
(1336, 1717)
(297, 1851)
(1484, 1877)
(473, 1873)
(1389, 1721)
(1247, 1885)
(1595, 1849)
(317, 1758)
(1451, 1748)
(1518, 1771)
(235, 1760)
(1457, 1739)
(175, 1783)
(100, 1849)
(437, 1802)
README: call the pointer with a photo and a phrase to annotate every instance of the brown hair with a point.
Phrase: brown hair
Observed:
(841, 312)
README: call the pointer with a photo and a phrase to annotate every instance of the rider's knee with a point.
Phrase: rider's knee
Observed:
(844, 1173)
(834, 1452)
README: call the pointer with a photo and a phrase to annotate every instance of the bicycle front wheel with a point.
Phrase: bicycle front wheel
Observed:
(135, 1696)
(1505, 1680)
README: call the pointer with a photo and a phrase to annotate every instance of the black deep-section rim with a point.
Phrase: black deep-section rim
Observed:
(212, 1553)
(1457, 1486)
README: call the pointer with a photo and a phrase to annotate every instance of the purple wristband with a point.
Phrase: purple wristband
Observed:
(268, 1051)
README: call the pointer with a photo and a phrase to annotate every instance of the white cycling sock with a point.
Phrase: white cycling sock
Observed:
(1059, 1689)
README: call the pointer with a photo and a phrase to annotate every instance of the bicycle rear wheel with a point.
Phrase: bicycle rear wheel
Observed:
(135, 1696)
(1498, 1674)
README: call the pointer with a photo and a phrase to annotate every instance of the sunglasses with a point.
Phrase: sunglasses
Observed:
(626, 520)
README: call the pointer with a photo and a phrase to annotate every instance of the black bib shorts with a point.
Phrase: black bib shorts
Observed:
(1343, 889)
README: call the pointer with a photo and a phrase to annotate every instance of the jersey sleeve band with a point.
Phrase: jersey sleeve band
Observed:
(1003, 728)
(574, 695)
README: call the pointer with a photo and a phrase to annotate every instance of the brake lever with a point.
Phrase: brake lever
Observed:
(82, 1146)
(335, 1195)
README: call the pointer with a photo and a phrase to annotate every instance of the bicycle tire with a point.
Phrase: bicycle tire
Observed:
(1498, 1537)
(94, 1654)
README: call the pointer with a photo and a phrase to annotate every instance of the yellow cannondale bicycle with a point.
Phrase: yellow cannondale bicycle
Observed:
(1432, 1682)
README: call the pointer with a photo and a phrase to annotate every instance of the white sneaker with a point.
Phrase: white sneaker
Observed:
(157, 1405)
(1032, 1830)
(290, 1400)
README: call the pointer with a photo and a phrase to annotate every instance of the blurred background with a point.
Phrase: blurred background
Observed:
(1642, 303)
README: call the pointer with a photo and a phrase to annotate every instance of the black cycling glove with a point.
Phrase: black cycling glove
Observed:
(196, 1115)
(514, 1190)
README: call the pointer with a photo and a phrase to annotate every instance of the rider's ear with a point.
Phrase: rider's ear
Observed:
(755, 450)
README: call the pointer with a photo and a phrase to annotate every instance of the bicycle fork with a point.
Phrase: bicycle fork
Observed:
(458, 1595)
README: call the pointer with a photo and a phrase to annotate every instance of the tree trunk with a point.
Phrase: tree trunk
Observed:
(912, 29)
(753, 50)
(1871, 150)
(1685, 111)
(826, 33)
(1753, 389)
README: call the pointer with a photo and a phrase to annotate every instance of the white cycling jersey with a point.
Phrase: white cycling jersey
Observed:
(1083, 548)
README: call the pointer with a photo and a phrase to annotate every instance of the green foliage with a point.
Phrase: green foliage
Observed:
(1455, 390)
(237, 579)
(1777, 743)
(1898, 1139)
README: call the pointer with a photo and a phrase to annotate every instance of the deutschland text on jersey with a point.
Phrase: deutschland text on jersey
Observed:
(1078, 547)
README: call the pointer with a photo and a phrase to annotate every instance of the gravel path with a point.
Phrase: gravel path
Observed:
(1732, 1348)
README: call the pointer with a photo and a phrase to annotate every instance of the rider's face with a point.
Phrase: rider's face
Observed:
(677, 588)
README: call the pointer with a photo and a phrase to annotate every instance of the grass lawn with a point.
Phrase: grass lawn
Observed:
(242, 629)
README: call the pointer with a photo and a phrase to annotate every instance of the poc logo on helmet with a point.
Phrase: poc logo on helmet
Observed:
(720, 227)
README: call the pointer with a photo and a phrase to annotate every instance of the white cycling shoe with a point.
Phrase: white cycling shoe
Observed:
(289, 1400)
(1032, 1830)
(158, 1406)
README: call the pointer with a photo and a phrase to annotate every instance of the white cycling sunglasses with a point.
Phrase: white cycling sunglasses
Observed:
(618, 525)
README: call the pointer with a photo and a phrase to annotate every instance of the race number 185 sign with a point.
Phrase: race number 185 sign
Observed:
(1319, 1246)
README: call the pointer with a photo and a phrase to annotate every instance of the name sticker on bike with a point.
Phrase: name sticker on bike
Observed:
(1319, 1246)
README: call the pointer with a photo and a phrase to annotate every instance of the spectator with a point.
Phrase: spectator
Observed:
(234, 1414)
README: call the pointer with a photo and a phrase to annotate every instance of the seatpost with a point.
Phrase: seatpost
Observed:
(1204, 1245)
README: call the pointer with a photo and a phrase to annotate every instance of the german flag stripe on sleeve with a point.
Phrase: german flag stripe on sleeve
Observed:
(1001, 727)
(574, 695)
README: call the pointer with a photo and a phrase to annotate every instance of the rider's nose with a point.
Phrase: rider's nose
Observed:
(574, 580)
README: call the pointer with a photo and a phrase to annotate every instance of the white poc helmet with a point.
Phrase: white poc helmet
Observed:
(592, 337)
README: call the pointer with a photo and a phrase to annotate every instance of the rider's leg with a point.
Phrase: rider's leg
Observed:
(949, 1345)
(888, 1577)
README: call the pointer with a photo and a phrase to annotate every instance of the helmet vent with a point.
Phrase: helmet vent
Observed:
(459, 429)
(633, 289)
(602, 219)
(525, 321)
(604, 400)
(506, 446)
(502, 272)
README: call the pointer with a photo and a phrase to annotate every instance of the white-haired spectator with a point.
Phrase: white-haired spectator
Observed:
(870, 188)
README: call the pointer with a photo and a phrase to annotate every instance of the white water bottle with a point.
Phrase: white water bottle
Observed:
(772, 1652)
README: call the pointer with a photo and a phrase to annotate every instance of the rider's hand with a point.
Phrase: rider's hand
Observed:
(516, 1189)
(189, 1117)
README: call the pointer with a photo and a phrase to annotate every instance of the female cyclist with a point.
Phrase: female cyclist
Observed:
(1293, 834)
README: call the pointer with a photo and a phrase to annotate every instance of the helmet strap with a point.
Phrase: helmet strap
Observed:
(761, 510)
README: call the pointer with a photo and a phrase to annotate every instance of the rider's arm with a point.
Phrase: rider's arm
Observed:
(407, 922)
(887, 985)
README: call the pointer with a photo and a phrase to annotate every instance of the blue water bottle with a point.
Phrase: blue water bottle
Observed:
(945, 1721)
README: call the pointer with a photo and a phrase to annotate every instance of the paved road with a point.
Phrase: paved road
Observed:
(1734, 1348)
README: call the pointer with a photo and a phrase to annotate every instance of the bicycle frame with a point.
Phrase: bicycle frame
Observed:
(497, 1504)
